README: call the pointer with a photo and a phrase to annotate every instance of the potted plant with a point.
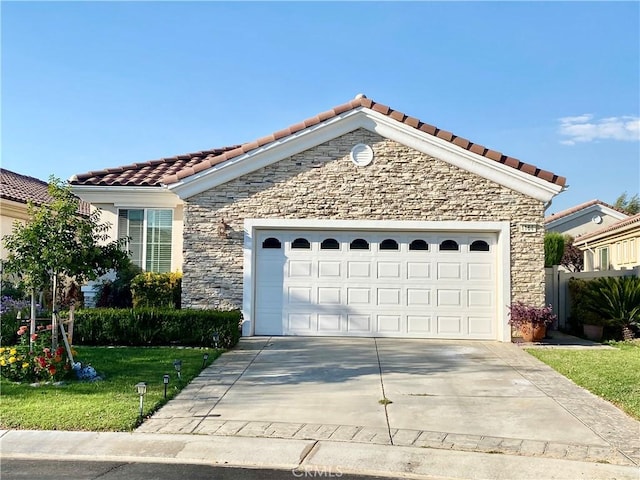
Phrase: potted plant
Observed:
(531, 321)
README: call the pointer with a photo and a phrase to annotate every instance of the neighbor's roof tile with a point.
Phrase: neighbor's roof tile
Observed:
(23, 189)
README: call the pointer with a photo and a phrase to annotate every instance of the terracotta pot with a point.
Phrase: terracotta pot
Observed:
(531, 333)
(593, 332)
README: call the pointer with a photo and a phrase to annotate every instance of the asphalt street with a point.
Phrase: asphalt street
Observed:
(14, 469)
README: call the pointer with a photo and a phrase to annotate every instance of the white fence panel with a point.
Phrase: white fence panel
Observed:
(557, 288)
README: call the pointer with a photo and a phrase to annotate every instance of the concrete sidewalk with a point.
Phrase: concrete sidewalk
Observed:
(321, 458)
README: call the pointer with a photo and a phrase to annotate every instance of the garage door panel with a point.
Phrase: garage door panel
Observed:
(328, 322)
(450, 325)
(388, 269)
(479, 271)
(299, 268)
(329, 296)
(479, 298)
(299, 295)
(389, 324)
(418, 270)
(358, 296)
(389, 296)
(449, 298)
(480, 326)
(418, 297)
(327, 269)
(359, 323)
(299, 321)
(399, 292)
(448, 271)
(418, 324)
(359, 269)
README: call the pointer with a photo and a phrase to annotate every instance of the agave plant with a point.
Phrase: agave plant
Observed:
(616, 299)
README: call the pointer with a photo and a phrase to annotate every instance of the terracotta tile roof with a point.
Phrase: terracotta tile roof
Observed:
(168, 171)
(22, 189)
(146, 174)
(610, 228)
(577, 208)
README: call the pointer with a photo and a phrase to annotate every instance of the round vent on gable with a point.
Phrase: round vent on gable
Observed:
(597, 219)
(362, 155)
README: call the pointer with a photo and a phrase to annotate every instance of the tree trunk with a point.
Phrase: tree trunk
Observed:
(54, 316)
(32, 331)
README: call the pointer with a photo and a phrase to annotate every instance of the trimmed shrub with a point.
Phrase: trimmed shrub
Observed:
(579, 290)
(553, 248)
(117, 293)
(154, 326)
(157, 290)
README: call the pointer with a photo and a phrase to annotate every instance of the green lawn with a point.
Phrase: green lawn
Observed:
(611, 374)
(108, 405)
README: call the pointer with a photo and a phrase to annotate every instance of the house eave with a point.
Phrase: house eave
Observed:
(127, 196)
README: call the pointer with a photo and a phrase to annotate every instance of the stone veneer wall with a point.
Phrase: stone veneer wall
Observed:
(400, 184)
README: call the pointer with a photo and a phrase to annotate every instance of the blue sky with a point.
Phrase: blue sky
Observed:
(89, 85)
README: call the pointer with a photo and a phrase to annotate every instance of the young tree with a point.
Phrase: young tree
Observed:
(59, 241)
(553, 248)
(630, 205)
(573, 257)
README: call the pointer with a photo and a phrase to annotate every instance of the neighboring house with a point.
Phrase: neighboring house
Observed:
(15, 192)
(614, 247)
(359, 221)
(584, 218)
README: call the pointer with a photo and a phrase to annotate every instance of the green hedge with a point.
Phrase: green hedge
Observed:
(153, 326)
(156, 290)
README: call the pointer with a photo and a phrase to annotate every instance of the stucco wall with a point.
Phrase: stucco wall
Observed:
(323, 183)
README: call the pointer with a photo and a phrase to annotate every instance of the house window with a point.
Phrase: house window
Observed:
(449, 245)
(271, 242)
(418, 245)
(633, 253)
(603, 256)
(301, 243)
(479, 246)
(330, 244)
(148, 233)
(389, 244)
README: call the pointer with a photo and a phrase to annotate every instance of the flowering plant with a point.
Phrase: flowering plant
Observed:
(17, 363)
(521, 314)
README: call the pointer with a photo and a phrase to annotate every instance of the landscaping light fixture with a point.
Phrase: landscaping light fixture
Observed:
(216, 339)
(165, 380)
(177, 364)
(142, 390)
(205, 357)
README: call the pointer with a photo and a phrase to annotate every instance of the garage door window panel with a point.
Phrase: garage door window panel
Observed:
(330, 244)
(449, 246)
(359, 244)
(271, 242)
(389, 244)
(418, 245)
(479, 246)
(301, 243)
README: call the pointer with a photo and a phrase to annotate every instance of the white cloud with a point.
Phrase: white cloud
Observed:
(586, 128)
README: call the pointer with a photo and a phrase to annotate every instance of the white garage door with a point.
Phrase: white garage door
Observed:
(395, 284)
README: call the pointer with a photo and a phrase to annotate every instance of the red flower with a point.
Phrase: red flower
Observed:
(41, 361)
(59, 351)
(22, 330)
(49, 327)
(52, 370)
(34, 337)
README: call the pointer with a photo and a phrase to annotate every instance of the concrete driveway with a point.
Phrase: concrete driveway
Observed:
(464, 395)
